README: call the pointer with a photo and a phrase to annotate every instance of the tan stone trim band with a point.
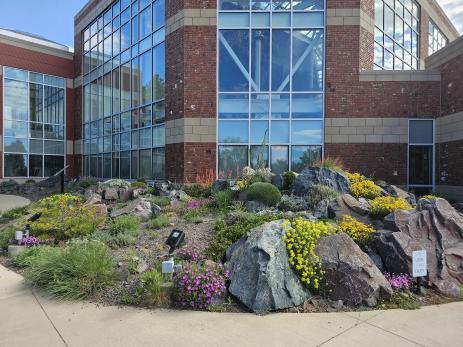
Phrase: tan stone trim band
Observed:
(350, 16)
(1, 144)
(69, 147)
(453, 50)
(36, 47)
(366, 130)
(399, 76)
(78, 81)
(451, 192)
(191, 17)
(449, 128)
(198, 130)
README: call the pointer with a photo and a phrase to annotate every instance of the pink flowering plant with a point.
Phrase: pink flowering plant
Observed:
(400, 281)
(193, 251)
(198, 285)
(30, 241)
(197, 204)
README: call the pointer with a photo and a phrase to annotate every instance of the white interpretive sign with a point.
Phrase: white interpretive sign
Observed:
(420, 266)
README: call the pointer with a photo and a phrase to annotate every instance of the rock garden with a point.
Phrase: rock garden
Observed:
(322, 240)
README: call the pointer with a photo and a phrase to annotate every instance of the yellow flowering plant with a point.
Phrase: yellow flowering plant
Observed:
(354, 177)
(358, 231)
(383, 205)
(365, 189)
(301, 238)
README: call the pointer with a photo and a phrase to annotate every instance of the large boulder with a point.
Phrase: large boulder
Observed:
(358, 206)
(111, 193)
(260, 274)
(140, 207)
(315, 175)
(350, 273)
(292, 203)
(435, 226)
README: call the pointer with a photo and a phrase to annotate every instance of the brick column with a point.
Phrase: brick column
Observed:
(190, 88)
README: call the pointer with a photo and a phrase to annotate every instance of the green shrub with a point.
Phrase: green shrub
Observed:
(318, 193)
(64, 216)
(137, 184)
(266, 193)
(196, 190)
(6, 235)
(401, 300)
(301, 238)
(384, 205)
(87, 183)
(151, 290)
(288, 179)
(223, 199)
(13, 214)
(159, 222)
(161, 201)
(257, 178)
(76, 271)
(121, 224)
(228, 233)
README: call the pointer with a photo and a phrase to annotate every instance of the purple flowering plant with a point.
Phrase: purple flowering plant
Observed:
(197, 203)
(193, 251)
(198, 285)
(30, 241)
(400, 281)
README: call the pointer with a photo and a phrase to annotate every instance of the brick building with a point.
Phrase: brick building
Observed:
(172, 89)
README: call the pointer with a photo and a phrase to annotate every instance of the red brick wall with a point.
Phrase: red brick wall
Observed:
(375, 160)
(450, 163)
(175, 75)
(452, 86)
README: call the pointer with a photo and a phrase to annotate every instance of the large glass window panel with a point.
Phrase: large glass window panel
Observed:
(260, 106)
(145, 23)
(53, 164)
(304, 156)
(306, 132)
(15, 165)
(159, 136)
(53, 147)
(259, 132)
(233, 5)
(35, 165)
(307, 105)
(159, 163)
(134, 165)
(125, 87)
(159, 112)
(15, 144)
(145, 138)
(136, 82)
(281, 51)
(279, 159)
(307, 5)
(233, 131)
(421, 132)
(232, 159)
(35, 130)
(125, 165)
(15, 129)
(125, 36)
(259, 156)
(233, 106)
(260, 63)
(158, 14)
(233, 60)
(307, 60)
(146, 77)
(16, 74)
(279, 132)
(116, 97)
(115, 165)
(145, 164)
(134, 30)
(145, 116)
(159, 72)
(420, 165)
(36, 146)
(53, 132)
(35, 102)
(107, 95)
(15, 105)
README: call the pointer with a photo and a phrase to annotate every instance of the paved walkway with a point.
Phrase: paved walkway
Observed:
(7, 202)
(29, 319)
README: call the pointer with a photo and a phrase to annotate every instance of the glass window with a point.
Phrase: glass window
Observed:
(35, 165)
(233, 131)
(279, 132)
(304, 156)
(307, 60)
(16, 74)
(260, 106)
(436, 39)
(421, 132)
(259, 156)
(279, 159)
(159, 163)
(306, 132)
(232, 159)
(307, 105)
(233, 5)
(145, 23)
(15, 165)
(159, 72)
(145, 164)
(158, 14)
(53, 164)
(146, 77)
(259, 132)
(281, 50)
(233, 106)
(260, 67)
(15, 105)
(399, 29)
(15, 144)
(233, 60)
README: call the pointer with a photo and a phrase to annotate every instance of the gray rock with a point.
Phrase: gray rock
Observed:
(140, 207)
(93, 199)
(400, 193)
(111, 194)
(142, 266)
(219, 185)
(322, 210)
(278, 181)
(138, 192)
(315, 175)
(125, 194)
(350, 274)
(355, 205)
(292, 203)
(178, 195)
(255, 206)
(261, 276)
(435, 226)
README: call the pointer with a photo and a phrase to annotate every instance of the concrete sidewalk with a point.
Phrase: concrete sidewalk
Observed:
(29, 319)
(7, 202)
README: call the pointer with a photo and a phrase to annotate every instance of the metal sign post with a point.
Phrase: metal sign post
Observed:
(61, 174)
(420, 267)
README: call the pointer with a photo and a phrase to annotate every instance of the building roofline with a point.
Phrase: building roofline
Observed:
(452, 50)
(449, 30)
(35, 43)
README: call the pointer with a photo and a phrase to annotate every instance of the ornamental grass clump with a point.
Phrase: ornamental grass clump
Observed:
(150, 289)
(301, 239)
(384, 205)
(77, 271)
(358, 231)
(198, 285)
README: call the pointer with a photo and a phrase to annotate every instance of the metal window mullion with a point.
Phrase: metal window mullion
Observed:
(290, 89)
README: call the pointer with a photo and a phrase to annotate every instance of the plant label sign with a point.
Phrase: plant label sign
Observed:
(419, 262)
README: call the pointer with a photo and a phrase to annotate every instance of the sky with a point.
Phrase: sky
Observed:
(54, 19)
